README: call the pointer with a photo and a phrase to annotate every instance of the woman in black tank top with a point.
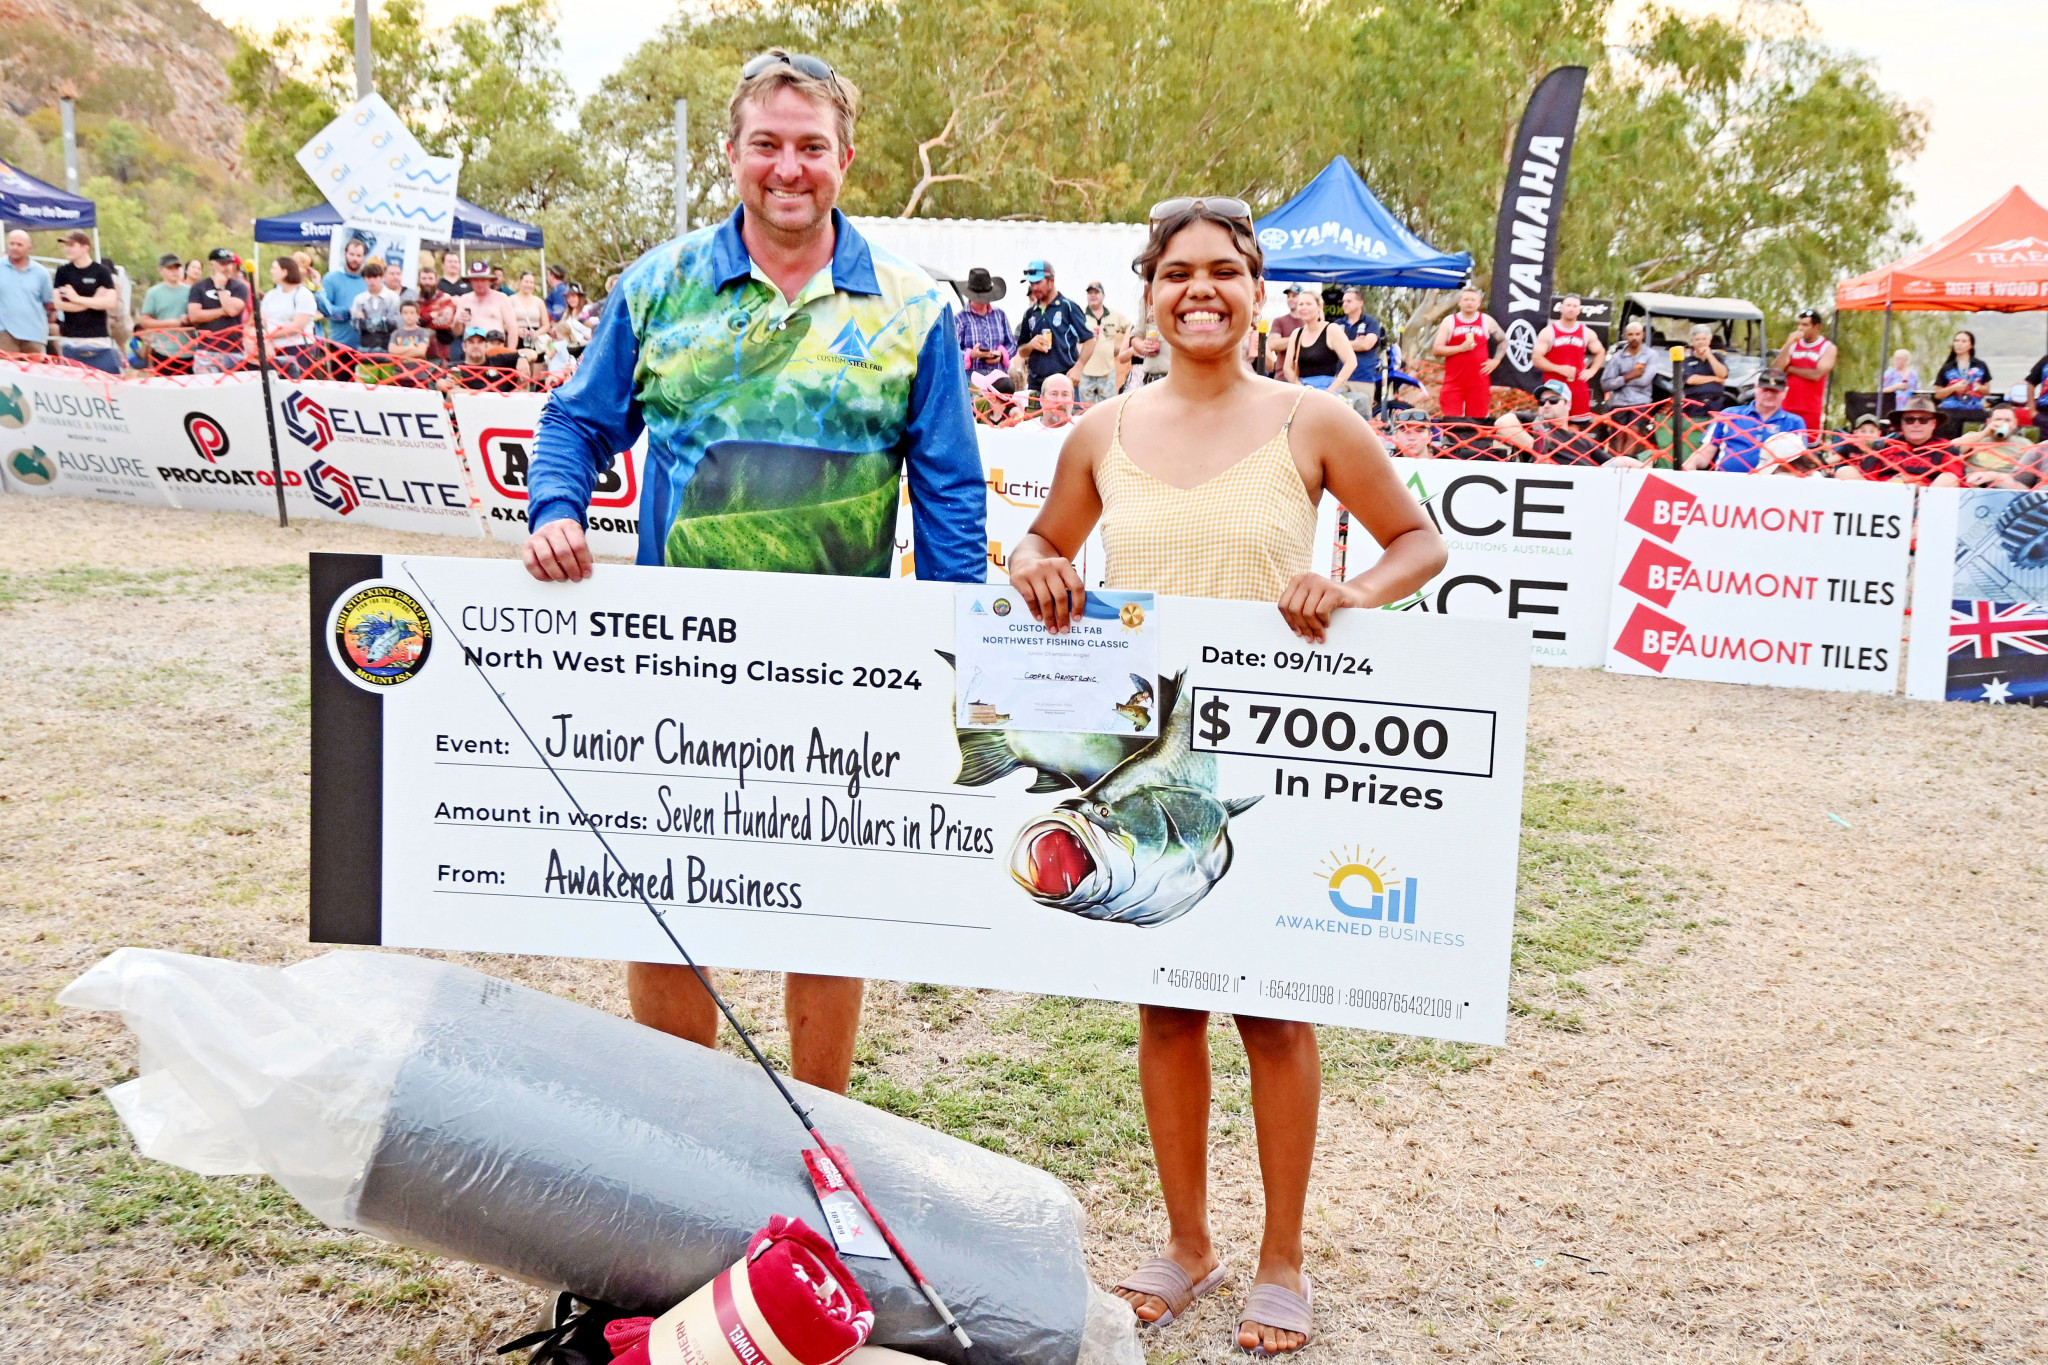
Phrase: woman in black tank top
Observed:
(1325, 362)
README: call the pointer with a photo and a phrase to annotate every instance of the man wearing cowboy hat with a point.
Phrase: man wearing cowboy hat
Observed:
(1917, 454)
(984, 330)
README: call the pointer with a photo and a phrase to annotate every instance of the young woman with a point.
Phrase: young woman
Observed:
(288, 312)
(1206, 484)
(1963, 380)
(1318, 354)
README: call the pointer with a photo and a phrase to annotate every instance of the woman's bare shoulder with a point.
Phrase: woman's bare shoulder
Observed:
(1091, 433)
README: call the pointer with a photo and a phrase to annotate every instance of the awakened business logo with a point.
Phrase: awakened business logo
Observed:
(308, 422)
(1362, 886)
(332, 489)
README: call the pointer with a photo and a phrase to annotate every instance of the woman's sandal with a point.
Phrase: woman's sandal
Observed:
(1277, 1306)
(1165, 1280)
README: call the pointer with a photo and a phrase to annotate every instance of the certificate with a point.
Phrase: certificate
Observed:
(1097, 677)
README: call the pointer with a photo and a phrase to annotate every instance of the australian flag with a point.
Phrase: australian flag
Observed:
(1998, 652)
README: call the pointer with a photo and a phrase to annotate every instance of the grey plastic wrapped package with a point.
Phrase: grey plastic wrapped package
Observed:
(439, 1107)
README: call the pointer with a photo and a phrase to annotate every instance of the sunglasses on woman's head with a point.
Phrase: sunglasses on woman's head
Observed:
(815, 67)
(1229, 208)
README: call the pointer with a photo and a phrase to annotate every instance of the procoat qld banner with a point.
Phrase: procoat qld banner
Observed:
(1784, 581)
(378, 456)
(497, 444)
(1324, 833)
(75, 438)
(1531, 208)
(1980, 597)
(209, 446)
(1529, 543)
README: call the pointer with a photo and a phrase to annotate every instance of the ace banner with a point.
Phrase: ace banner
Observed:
(1531, 208)
(1326, 833)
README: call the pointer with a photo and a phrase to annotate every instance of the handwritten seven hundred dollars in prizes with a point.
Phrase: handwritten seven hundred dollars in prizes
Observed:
(784, 769)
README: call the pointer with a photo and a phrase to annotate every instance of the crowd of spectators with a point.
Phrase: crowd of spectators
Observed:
(361, 319)
(456, 322)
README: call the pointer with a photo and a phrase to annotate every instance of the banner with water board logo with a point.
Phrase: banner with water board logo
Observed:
(374, 456)
(497, 432)
(1782, 581)
(1323, 833)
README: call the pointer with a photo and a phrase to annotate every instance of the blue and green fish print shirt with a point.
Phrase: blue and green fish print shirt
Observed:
(777, 430)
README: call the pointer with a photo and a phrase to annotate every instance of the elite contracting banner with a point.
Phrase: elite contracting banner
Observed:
(1324, 833)
(1782, 581)
(1531, 208)
(376, 456)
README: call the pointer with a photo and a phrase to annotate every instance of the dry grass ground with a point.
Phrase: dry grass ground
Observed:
(1774, 1090)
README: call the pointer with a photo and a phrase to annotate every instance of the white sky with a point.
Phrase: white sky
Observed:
(1977, 68)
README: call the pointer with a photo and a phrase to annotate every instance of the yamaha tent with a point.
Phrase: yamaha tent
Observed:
(26, 202)
(1335, 232)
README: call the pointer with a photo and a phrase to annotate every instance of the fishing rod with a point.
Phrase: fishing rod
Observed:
(803, 1116)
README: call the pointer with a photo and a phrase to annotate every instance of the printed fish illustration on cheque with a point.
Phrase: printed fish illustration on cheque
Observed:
(1145, 838)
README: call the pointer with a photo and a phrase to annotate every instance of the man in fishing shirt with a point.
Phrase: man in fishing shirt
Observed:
(776, 351)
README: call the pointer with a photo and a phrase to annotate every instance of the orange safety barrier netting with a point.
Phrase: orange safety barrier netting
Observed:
(174, 352)
(1645, 437)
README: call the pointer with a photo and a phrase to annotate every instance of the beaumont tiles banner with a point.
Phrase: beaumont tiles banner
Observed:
(1739, 578)
(1980, 597)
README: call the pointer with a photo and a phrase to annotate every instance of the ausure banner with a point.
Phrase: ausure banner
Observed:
(378, 456)
(1783, 581)
(209, 446)
(497, 445)
(1324, 833)
(68, 437)
(1980, 597)
(1529, 543)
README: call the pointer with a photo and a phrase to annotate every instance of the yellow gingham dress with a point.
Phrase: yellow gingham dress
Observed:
(1245, 533)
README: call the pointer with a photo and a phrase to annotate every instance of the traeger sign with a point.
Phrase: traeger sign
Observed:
(1531, 206)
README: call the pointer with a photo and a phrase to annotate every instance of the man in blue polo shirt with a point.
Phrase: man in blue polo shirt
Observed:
(1735, 443)
(1055, 336)
(787, 373)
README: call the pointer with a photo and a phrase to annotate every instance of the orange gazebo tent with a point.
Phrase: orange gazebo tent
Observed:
(1997, 262)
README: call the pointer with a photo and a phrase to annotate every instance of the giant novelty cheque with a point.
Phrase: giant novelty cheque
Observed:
(783, 768)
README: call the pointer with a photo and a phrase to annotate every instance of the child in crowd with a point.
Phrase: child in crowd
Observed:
(1900, 380)
(561, 350)
(410, 341)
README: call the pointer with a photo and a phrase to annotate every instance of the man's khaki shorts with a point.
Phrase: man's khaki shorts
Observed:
(14, 345)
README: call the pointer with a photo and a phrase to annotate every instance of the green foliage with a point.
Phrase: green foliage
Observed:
(487, 89)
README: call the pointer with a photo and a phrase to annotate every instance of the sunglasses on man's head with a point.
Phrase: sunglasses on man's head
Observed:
(1229, 208)
(815, 67)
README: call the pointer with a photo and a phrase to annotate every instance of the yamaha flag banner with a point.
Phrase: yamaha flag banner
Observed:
(1531, 207)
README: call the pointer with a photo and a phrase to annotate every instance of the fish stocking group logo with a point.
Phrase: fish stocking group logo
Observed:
(307, 422)
(332, 489)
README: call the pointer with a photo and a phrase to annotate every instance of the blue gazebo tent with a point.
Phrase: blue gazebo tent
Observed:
(26, 202)
(1336, 232)
(473, 227)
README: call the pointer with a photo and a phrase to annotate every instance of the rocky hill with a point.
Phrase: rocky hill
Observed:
(156, 63)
